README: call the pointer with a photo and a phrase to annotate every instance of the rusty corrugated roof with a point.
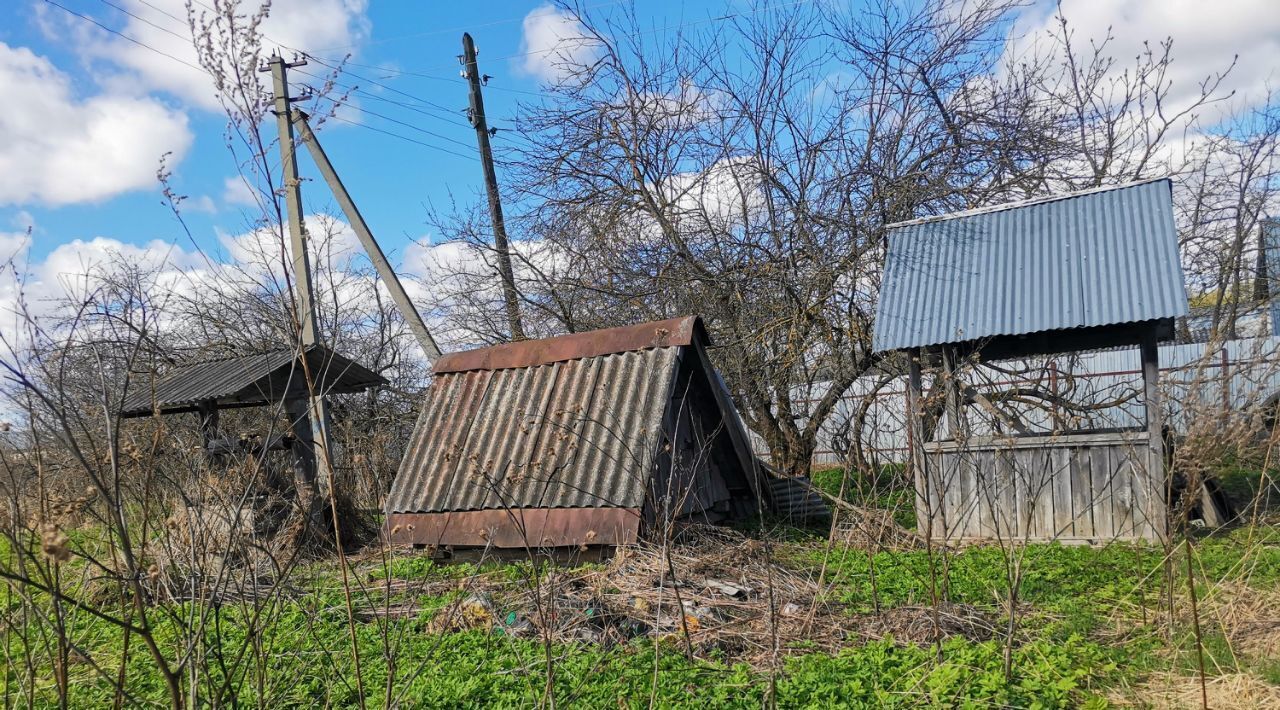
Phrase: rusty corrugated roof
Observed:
(527, 353)
(572, 433)
(247, 380)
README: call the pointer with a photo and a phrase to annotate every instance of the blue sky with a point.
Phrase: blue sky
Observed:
(392, 179)
(88, 114)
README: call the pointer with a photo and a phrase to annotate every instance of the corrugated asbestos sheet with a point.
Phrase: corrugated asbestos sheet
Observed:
(577, 433)
(1094, 258)
(262, 378)
(796, 498)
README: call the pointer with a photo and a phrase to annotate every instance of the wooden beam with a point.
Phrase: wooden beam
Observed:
(1156, 479)
(956, 423)
(915, 445)
(1054, 342)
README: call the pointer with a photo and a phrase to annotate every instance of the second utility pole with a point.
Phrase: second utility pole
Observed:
(509, 297)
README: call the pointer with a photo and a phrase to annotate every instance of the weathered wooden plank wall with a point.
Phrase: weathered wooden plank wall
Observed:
(1070, 487)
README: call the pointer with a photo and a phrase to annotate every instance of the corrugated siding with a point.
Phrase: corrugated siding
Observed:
(796, 498)
(1099, 258)
(572, 434)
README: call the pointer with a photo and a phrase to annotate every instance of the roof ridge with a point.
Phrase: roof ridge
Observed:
(573, 346)
(1028, 202)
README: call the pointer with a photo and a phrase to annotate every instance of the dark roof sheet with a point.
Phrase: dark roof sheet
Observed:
(1095, 258)
(261, 378)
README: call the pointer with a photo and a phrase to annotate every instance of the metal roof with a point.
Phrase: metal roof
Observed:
(574, 434)
(247, 380)
(1100, 257)
(569, 422)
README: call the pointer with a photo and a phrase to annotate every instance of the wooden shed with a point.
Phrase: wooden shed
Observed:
(1071, 272)
(587, 440)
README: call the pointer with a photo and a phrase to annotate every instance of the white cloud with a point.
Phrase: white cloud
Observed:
(292, 25)
(23, 220)
(33, 288)
(554, 44)
(237, 192)
(202, 204)
(245, 262)
(1206, 37)
(60, 149)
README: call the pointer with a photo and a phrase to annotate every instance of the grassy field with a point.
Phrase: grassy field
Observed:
(1092, 633)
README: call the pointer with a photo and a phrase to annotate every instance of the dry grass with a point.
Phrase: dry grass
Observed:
(718, 599)
(1232, 691)
(1248, 617)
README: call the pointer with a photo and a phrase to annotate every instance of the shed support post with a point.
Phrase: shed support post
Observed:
(954, 390)
(304, 454)
(915, 446)
(208, 413)
(1156, 479)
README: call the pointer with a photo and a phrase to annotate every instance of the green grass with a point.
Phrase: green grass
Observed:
(1081, 633)
(888, 490)
(309, 665)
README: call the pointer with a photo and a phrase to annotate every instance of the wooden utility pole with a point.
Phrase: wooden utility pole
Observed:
(315, 417)
(388, 275)
(509, 297)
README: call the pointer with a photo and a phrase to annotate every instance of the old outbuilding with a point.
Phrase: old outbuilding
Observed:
(284, 377)
(588, 440)
(1079, 271)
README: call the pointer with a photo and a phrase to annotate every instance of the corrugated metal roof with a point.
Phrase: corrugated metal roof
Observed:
(1093, 258)
(579, 433)
(262, 378)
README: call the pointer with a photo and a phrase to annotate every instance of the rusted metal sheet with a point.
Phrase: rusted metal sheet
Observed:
(530, 353)
(517, 527)
(263, 378)
(576, 434)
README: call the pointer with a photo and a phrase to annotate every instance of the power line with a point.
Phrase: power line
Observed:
(433, 77)
(144, 20)
(193, 66)
(121, 35)
(582, 40)
(403, 138)
(163, 11)
(441, 115)
(359, 77)
(412, 126)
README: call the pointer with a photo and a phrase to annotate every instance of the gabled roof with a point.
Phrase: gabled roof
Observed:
(1096, 258)
(247, 380)
(568, 422)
